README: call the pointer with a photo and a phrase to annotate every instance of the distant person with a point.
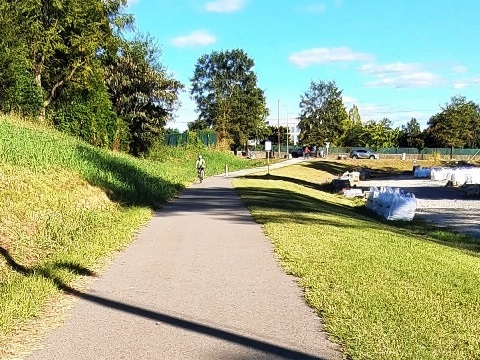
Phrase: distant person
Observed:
(306, 154)
(200, 164)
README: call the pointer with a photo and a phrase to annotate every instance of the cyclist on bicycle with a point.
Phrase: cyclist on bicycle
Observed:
(200, 164)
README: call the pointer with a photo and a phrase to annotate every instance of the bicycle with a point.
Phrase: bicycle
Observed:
(201, 174)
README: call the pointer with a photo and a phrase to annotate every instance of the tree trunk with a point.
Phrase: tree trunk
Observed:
(451, 152)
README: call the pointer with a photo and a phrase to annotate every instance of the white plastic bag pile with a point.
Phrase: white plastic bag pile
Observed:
(392, 204)
(423, 172)
(458, 176)
(351, 193)
(354, 176)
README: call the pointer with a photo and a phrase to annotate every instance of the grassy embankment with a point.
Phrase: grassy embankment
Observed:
(385, 291)
(66, 206)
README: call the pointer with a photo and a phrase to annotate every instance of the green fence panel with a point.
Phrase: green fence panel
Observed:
(207, 138)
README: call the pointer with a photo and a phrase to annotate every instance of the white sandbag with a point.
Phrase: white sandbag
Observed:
(422, 172)
(438, 174)
(403, 207)
(392, 204)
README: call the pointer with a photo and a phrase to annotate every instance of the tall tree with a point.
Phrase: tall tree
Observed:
(224, 86)
(354, 128)
(410, 134)
(457, 125)
(354, 115)
(322, 114)
(63, 38)
(143, 94)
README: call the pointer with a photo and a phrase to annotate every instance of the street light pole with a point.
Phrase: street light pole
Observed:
(288, 135)
(278, 114)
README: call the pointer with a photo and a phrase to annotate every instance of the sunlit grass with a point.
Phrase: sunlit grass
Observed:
(384, 291)
(67, 206)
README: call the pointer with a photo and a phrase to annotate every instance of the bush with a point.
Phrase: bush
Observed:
(88, 114)
(18, 91)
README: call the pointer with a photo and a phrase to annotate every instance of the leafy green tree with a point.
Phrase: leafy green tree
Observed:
(18, 91)
(273, 134)
(410, 135)
(354, 115)
(380, 134)
(224, 86)
(87, 113)
(322, 114)
(198, 125)
(353, 129)
(63, 38)
(143, 94)
(457, 125)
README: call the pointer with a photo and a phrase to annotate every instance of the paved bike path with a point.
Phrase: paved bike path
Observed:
(200, 282)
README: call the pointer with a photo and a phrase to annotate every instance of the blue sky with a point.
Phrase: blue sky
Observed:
(392, 58)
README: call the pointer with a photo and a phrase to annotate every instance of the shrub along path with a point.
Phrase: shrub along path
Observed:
(201, 282)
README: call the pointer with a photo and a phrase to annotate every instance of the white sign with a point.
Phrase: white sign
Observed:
(268, 145)
(327, 145)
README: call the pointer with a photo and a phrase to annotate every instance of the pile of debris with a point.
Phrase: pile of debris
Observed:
(346, 182)
(458, 176)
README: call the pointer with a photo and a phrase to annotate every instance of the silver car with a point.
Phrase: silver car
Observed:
(363, 154)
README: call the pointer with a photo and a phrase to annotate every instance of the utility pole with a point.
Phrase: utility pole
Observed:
(288, 136)
(278, 114)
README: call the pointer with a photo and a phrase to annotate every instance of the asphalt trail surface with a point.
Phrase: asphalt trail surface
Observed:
(200, 282)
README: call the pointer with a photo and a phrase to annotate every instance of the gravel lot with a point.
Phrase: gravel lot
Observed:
(445, 206)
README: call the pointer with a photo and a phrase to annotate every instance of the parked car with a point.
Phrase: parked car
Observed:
(299, 152)
(363, 153)
(296, 153)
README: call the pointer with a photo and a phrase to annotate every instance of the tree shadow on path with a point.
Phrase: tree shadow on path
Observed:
(228, 336)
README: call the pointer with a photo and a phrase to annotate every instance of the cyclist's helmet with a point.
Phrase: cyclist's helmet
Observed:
(199, 157)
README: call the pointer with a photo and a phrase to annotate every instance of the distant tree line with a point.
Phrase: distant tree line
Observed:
(323, 118)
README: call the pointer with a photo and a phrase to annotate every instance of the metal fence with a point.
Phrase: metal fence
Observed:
(410, 151)
(207, 138)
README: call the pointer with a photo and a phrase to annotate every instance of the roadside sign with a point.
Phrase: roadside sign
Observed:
(268, 145)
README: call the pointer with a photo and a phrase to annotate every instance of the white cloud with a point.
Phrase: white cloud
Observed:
(399, 115)
(465, 83)
(348, 100)
(416, 79)
(459, 69)
(196, 38)
(400, 75)
(325, 55)
(397, 67)
(224, 6)
(460, 85)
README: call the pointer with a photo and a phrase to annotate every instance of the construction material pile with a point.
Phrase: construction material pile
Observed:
(392, 204)
(458, 176)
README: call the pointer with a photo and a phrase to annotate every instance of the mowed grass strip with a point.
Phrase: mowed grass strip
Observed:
(384, 291)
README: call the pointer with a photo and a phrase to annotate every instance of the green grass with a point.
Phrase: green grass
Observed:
(385, 291)
(67, 206)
